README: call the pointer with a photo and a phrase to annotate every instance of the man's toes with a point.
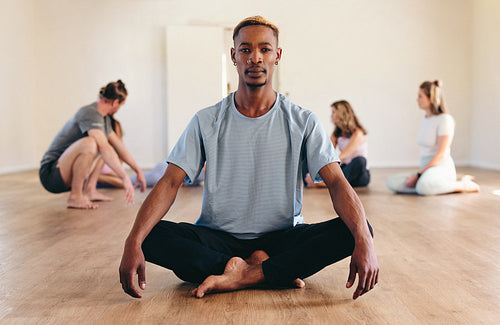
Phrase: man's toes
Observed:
(200, 291)
(299, 283)
(205, 287)
(195, 293)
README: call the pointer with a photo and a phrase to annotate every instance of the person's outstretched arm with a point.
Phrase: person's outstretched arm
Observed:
(349, 208)
(152, 210)
(111, 158)
(127, 157)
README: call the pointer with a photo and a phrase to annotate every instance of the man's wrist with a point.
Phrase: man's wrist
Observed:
(133, 242)
(363, 236)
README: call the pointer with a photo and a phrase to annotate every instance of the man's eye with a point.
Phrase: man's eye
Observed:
(266, 50)
(244, 50)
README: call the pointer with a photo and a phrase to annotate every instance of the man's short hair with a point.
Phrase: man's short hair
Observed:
(255, 20)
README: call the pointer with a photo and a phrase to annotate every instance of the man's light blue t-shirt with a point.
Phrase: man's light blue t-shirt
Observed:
(254, 166)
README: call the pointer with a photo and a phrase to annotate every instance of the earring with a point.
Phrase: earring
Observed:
(234, 63)
(276, 63)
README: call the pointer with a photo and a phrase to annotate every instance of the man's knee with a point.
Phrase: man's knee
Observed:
(159, 237)
(154, 238)
(89, 146)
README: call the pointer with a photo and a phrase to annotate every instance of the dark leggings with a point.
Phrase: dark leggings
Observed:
(356, 173)
(194, 252)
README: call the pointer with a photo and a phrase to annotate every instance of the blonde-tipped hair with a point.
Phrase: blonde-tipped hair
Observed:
(434, 91)
(347, 121)
(255, 20)
(114, 90)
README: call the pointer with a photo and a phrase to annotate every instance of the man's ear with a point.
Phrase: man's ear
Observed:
(279, 52)
(233, 55)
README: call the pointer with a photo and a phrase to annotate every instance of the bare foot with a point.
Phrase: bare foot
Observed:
(238, 274)
(467, 185)
(259, 256)
(97, 196)
(80, 202)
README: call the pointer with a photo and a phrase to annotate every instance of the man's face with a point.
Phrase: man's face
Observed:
(255, 53)
(115, 106)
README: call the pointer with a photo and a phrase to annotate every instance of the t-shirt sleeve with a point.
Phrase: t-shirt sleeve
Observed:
(319, 149)
(446, 125)
(89, 119)
(189, 153)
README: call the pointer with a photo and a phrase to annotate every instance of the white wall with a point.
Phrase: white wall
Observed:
(199, 71)
(82, 45)
(17, 85)
(375, 54)
(372, 53)
(485, 147)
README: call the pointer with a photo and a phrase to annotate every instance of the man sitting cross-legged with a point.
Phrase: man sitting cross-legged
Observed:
(257, 145)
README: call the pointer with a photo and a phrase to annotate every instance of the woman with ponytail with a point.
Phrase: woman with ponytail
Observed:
(437, 174)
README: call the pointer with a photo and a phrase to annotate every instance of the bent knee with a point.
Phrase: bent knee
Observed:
(359, 161)
(394, 183)
(89, 145)
(429, 186)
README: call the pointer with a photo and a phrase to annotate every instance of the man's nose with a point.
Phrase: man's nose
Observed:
(255, 59)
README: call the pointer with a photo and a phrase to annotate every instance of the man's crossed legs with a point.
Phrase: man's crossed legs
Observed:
(222, 262)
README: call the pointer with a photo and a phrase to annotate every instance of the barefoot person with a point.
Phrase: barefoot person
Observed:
(255, 143)
(437, 174)
(70, 163)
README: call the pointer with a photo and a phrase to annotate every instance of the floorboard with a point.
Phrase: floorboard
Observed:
(439, 259)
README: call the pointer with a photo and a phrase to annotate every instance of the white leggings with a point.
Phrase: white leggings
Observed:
(439, 179)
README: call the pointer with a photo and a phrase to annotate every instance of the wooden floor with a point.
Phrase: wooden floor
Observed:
(439, 259)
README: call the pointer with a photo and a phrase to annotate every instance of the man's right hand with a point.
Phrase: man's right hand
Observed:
(129, 190)
(155, 206)
(132, 264)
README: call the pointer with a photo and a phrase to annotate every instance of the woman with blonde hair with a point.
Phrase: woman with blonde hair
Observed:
(349, 138)
(437, 174)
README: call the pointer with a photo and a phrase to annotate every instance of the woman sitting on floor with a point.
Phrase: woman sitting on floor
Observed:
(349, 138)
(437, 174)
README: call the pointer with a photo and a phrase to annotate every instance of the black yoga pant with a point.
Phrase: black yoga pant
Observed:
(356, 173)
(194, 252)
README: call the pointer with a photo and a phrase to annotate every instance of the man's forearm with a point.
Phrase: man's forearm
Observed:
(345, 201)
(123, 153)
(127, 157)
(111, 159)
(349, 208)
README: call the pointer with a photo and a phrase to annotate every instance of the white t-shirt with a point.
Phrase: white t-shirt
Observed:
(254, 166)
(430, 129)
